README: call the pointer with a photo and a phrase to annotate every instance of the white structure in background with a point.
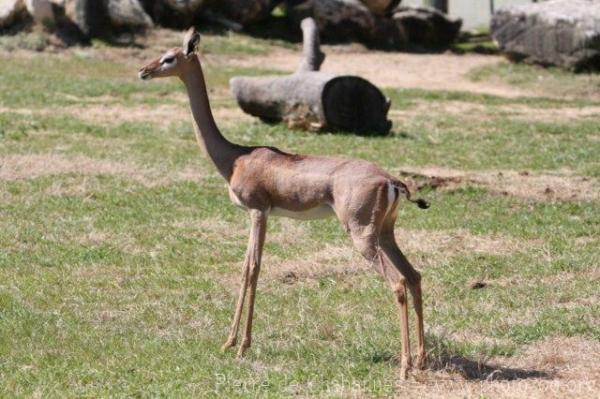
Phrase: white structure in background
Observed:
(474, 13)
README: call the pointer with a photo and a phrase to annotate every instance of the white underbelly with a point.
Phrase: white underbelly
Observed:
(319, 212)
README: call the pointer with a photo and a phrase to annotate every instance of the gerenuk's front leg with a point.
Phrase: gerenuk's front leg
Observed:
(233, 332)
(246, 269)
(257, 240)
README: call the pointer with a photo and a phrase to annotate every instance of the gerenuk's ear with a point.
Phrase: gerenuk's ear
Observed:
(190, 41)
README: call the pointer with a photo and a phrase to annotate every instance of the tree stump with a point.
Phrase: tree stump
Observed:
(312, 99)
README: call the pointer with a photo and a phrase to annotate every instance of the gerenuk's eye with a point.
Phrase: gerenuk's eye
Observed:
(168, 60)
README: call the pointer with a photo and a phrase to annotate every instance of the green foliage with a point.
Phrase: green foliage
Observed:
(551, 80)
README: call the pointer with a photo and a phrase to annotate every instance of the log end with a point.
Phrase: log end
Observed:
(354, 104)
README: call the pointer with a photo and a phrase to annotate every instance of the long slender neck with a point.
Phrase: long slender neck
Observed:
(222, 152)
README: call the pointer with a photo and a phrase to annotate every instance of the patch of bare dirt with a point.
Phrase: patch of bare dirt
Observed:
(557, 367)
(422, 110)
(560, 185)
(550, 114)
(479, 112)
(31, 166)
(591, 274)
(163, 115)
(290, 232)
(391, 69)
(21, 111)
(214, 229)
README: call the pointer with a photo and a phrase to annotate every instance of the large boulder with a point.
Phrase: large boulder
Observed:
(88, 15)
(402, 28)
(100, 17)
(41, 11)
(425, 28)
(10, 10)
(128, 13)
(556, 32)
(190, 6)
(178, 14)
(245, 12)
(338, 19)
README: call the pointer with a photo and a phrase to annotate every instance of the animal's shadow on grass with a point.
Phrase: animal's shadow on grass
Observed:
(478, 370)
(470, 369)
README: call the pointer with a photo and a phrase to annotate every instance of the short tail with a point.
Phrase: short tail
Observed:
(421, 203)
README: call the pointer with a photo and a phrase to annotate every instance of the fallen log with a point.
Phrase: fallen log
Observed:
(312, 99)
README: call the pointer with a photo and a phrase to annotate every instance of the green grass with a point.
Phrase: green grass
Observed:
(83, 79)
(118, 285)
(238, 44)
(552, 81)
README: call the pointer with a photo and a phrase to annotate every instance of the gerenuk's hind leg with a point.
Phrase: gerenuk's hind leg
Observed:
(367, 245)
(413, 281)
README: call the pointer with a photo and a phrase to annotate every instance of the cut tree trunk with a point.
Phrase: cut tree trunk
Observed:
(312, 99)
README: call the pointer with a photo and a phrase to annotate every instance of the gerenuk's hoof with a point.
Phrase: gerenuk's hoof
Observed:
(245, 345)
(421, 362)
(405, 366)
(230, 343)
(403, 373)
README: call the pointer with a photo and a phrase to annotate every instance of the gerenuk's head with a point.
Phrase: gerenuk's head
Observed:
(173, 62)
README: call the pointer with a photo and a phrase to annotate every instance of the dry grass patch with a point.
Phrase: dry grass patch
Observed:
(31, 166)
(444, 244)
(559, 115)
(344, 260)
(560, 185)
(214, 229)
(161, 115)
(592, 274)
(554, 368)
(170, 323)
(483, 113)
(467, 110)
(162, 312)
(290, 232)
(122, 241)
